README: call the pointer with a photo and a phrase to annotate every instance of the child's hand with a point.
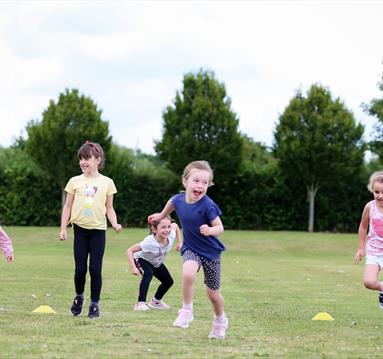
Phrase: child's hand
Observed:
(205, 230)
(62, 235)
(10, 258)
(155, 217)
(135, 271)
(358, 256)
(117, 227)
(179, 246)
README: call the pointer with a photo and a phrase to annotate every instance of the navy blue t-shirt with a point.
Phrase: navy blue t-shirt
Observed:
(192, 216)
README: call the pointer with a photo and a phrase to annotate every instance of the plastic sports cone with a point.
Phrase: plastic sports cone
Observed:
(44, 309)
(323, 316)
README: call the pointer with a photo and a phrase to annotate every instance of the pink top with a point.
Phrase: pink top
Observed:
(5, 243)
(374, 244)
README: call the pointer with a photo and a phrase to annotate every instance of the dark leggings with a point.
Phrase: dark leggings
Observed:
(148, 271)
(88, 242)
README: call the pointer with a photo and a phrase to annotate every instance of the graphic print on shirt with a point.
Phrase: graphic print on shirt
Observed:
(378, 226)
(90, 192)
(161, 254)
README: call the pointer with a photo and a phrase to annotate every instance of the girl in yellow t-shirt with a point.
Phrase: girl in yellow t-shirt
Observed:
(89, 201)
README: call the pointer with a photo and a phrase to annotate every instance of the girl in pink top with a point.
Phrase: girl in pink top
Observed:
(6, 245)
(371, 242)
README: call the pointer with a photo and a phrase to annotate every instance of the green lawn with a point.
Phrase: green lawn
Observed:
(273, 284)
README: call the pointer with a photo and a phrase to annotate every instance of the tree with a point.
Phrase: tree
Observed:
(202, 126)
(257, 156)
(375, 108)
(318, 142)
(65, 126)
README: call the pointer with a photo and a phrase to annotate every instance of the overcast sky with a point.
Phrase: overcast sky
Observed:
(130, 58)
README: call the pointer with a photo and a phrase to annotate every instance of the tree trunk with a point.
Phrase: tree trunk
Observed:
(311, 192)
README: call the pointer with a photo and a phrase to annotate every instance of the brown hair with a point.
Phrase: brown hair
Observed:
(199, 165)
(89, 149)
(375, 177)
(155, 224)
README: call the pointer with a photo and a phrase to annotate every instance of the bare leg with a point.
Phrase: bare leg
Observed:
(189, 272)
(370, 279)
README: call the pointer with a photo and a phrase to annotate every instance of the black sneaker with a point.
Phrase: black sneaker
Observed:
(76, 308)
(381, 300)
(94, 311)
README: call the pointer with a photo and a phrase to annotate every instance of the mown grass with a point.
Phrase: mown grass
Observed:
(273, 284)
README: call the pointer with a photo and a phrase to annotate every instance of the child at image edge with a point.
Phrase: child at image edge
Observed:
(6, 245)
(89, 198)
(201, 224)
(372, 243)
(147, 258)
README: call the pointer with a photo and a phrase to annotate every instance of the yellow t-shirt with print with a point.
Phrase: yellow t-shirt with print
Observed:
(89, 203)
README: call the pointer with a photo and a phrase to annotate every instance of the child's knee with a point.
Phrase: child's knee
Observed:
(215, 296)
(188, 277)
(370, 284)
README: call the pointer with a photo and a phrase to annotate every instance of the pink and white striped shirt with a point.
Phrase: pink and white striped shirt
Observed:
(5, 243)
(374, 244)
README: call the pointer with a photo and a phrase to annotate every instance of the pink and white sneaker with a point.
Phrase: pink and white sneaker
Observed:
(219, 328)
(141, 307)
(158, 304)
(185, 316)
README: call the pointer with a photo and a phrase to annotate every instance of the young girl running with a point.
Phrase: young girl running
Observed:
(6, 245)
(89, 198)
(201, 224)
(372, 243)
(147, 258)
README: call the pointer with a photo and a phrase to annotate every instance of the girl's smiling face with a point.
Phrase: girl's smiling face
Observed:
(163, 229)
(196, 185)
(89, 166)
(377, 190)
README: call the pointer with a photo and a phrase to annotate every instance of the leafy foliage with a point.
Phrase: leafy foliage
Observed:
(317, 141)
(27, 195)
(375, 108)
(201, 126)
(66, 124)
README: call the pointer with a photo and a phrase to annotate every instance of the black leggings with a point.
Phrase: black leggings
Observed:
(88, 242)
(148, 271)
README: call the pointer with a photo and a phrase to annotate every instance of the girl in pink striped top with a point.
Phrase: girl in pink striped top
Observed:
(6, 245)
(371, 236)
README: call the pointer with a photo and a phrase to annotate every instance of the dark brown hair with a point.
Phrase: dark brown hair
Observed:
(89, 149)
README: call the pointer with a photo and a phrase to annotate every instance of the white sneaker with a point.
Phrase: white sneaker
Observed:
(218, 330)
(185, 316)
(158, 304)
(141, 306)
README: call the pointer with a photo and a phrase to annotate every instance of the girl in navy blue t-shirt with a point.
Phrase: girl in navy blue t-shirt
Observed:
(201, 225)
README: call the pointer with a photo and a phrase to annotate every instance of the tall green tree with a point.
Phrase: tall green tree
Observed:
(201, 125)
(375, 108)
(66, 124)
(318, 142)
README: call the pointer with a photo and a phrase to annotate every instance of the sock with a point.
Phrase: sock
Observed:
(80, 295)
(187, 306)
(221, 318)
(155, 300)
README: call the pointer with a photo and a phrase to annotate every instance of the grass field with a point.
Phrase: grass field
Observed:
(273, 284)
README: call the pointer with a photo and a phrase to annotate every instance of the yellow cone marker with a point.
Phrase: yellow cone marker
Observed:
(44, 309)
(323, 316)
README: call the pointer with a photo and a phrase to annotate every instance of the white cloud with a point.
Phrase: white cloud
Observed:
(130, 57)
